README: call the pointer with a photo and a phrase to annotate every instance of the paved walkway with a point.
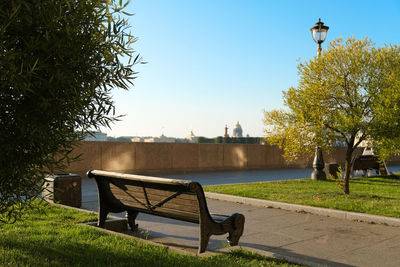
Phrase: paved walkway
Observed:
(301, 237)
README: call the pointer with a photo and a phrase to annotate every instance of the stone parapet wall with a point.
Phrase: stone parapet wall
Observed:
(171, 157)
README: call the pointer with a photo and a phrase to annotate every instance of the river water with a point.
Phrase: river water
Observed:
(234, 177)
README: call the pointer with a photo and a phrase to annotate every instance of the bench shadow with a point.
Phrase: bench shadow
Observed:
(215, 244)
(186, 242)
(190, 243)
(287, 254)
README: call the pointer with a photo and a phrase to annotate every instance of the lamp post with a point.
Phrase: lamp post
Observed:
(318, 33)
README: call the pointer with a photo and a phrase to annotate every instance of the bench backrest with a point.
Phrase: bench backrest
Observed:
(172, 198)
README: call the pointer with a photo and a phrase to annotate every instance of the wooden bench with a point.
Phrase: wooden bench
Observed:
(177, 199)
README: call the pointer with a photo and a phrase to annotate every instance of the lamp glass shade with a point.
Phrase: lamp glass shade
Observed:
(319, 35)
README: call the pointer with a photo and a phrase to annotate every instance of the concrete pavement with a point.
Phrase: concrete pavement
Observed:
(297, 236)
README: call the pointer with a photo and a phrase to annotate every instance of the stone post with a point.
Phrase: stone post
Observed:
(318, 165)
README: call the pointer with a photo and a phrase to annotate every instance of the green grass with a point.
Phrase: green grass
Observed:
(372, 195)
(52, 237)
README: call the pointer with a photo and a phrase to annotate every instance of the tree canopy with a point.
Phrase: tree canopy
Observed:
(349, 94)
(59, 62)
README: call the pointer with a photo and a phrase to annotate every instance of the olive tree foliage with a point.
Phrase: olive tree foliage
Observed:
(349, 94)
(59, 62)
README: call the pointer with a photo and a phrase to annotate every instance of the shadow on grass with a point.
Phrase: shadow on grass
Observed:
(389, 181)
(369, 197)
(46, 251)
(66, 252)
(352, 195)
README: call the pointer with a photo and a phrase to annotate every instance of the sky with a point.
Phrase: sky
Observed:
(212, 63)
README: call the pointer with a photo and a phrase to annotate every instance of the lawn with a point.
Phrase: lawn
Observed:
(372, 195)
(52, 236)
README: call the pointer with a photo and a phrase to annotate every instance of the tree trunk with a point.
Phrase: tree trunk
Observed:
(348, 169)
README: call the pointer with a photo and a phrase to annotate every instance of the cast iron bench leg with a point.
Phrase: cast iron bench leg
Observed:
(102, 217)
(237, 232)
(131, 217)
(204, 238)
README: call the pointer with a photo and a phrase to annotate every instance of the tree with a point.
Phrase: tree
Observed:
(59, 62)
(349, 94)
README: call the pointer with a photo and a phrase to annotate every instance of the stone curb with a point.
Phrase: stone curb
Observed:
(345, 215)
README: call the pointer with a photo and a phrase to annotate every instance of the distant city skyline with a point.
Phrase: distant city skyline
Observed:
(213, 63)
(233, 132)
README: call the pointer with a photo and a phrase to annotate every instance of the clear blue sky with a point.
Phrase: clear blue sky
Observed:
(215, 62)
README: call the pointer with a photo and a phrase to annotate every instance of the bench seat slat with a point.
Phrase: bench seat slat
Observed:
(162, 210)
(151, 191)
(154, 199)
(179, 203)
(172, 206)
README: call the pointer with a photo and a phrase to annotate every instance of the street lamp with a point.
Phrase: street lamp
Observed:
(318, 33)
